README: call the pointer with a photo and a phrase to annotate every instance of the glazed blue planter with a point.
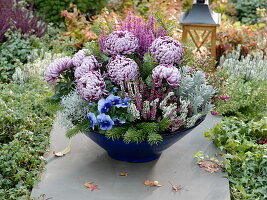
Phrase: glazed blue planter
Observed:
(138, 152)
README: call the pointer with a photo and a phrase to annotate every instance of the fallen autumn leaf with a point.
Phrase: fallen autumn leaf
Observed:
(63, 152)
(91, 186)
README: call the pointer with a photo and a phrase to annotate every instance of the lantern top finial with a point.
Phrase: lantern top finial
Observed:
(200, 13)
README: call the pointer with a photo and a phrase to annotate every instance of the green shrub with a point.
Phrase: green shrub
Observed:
(25, 122)
(53, 8)
(246, 10)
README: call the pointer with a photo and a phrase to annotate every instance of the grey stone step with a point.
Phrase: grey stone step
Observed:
(64, 177)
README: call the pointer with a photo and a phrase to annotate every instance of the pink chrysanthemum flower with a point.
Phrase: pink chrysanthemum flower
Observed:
(120, 42)
(89, 63)
(91, 86)
(168, 72)
(56, 68)
(122, 69)
(78, 57)
(166, 50)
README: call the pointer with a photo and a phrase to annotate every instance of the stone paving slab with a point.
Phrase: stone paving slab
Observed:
(64, 177)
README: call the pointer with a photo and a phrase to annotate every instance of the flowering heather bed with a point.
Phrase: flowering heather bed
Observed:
(15, 16)
(134, 89)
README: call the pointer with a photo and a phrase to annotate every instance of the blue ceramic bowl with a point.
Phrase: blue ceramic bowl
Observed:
(138, 152)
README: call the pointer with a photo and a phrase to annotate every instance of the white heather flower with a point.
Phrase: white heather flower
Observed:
(164, 101)
(133, 110)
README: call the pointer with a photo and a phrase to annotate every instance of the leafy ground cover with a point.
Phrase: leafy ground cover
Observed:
(25, 122)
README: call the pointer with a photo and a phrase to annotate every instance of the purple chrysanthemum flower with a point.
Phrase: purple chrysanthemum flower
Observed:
(91, 86)
(166, 50)
(120, 42)
(105, 122)
(93, 120)
(122, 69)
(78, 57)
(89, 63)
(168, 72)
(56, 68)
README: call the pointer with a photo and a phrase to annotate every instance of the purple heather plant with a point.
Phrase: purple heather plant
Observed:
(14, 16)
(55, 69)
(145, 32)
(166, 50)
(91, 86)
(120, 43)
(122, 69)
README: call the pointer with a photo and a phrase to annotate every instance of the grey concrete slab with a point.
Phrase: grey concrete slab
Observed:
(64, 177)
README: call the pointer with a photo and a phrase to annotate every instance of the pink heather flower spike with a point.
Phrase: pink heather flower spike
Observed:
(78, 57)
(122, 69)
(168, 72)
(120, 42)
(89, 63)
(166, 50)
(56, 68)
(224, 97)
(214, 112)
(91, 86)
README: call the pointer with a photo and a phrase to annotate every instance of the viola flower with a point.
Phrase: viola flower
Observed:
(103, 105)
(115, 89)
(105, 122)
(118, 122)
(114, 100)
(91, 86)
(120, 42)
(168, 72)
(56, 68)
(124, 104)
(92, 118)
(121, 69)
(166, 50)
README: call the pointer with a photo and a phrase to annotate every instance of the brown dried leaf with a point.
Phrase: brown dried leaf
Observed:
(63, 152)
(152, 183)
(177, 187)
(209, 166)
(91, 186)
(124, 174)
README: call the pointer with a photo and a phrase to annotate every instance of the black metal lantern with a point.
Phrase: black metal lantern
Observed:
(200, 19)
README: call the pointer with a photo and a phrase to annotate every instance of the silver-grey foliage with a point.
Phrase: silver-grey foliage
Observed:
(193, 88)
(250, 68)
(74, 109)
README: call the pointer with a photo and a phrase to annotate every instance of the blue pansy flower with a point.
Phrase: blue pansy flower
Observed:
(124, 104)
(105, 121)
(118, 122)
(92, 118)
(115, 89)
(103, 106)
(114, 100)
